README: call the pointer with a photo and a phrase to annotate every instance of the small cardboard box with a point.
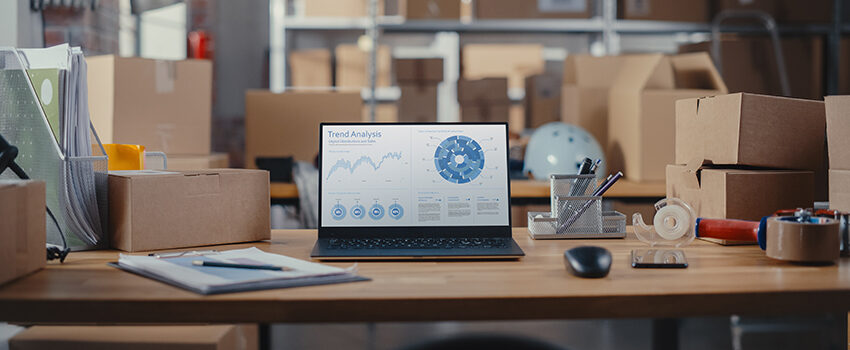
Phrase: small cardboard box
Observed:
(339, 8)
(418, 70)
(163, 105)
(837, 131)
(839, 190)
(197, 162)
(352, 66)
(208, 337)
(507, 9)
(418, 103)
(484, 100)
(542, 99)
(429, 9)
(642, 109)
(584, 94)
(739, 194)
(22, 228)
(287, 124)
(514, 61)
(753, 130)
(665, 10)
(311, 68)
(151, 210)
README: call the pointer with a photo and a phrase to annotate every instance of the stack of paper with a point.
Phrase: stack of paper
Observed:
(179, 270)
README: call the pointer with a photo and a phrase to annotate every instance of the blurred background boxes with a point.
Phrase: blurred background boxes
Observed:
(197, 162)
(506, 9)
(311, 68)
(22, 228)
(811, 11)
(429, 9)
(352, 63)
(665, 10)
(542, 99)
(337, 8)
(483, 100)
(217, 337)
(514, 61)
(584, 100)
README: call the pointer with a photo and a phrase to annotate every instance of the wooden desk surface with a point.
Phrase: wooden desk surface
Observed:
(719, 281)
(526, 189)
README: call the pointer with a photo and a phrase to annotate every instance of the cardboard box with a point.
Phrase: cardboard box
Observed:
(484, 100)
(641, 106)
(352, 66)
(812, 11)
(542, 100)
(384, 113)
(209, 337)
(839, 190)
(418, 103)
(665, 10)
(429, 9)
(485, 112)
(418, 70)
(584, 94)
(197, 162)
(22, 228)
(339, 8)
(310, 68)
(740, 194)
(753, 130)
(287, 124)
(163, 105)
(507, 9)
(151, 210)
(514, 61)
(749, 65)
(837, 130)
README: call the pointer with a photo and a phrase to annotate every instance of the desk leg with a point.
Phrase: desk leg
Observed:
(665, 334)
(264, 336)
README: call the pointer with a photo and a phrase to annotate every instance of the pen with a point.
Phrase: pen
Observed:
(240, 266)
(595, 166)
(600, 191)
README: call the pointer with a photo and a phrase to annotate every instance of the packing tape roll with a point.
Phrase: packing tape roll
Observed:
(671, 222)
(813, 241)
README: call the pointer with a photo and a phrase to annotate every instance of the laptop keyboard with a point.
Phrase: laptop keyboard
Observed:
(416, 243)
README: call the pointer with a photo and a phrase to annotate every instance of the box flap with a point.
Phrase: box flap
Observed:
(589, 71)
(651, 71)
(697, 71)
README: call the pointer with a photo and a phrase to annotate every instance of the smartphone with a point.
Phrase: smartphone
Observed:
(659, 258)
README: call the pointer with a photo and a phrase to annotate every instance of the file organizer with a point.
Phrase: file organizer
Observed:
(576, 213)
(68, 179)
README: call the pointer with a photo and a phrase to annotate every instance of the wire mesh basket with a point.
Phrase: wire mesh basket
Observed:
(569, 185)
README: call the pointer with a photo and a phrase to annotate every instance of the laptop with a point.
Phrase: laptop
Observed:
(414, 191)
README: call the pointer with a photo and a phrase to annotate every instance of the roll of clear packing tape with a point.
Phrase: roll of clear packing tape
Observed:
(671, 222)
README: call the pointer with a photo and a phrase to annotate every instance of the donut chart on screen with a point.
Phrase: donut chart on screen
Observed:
(459, 159)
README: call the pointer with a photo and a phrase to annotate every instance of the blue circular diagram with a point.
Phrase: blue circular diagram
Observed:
(338, 211)
(376, 212)
(459, 159)
(396, 211)
(358, 211)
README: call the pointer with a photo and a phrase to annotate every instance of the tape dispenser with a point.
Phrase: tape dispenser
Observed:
(673, 226)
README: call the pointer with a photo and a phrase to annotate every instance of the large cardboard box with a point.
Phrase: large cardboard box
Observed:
(483, 100)
(514, 61)
(839, 189)
(542, 99)
(151, 210)
(584, 95)
(507, 9)
(22, 228)
(209, 337)
(287, 124)
(197, 162)
(837, 131)
(339, 8)
(163, 105)
(429, 9)
(352, 66)
(740, 194)
(749, 65)
(311, 68)
(665, 10)
(418, 103)
(642, 109)
(418, 70)
(753, 130)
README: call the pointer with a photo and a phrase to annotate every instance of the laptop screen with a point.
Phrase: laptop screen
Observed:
(414, 175)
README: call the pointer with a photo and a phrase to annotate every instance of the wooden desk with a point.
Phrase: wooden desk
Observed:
(719, 281)
(524, 189)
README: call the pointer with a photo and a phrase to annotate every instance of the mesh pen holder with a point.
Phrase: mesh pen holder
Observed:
(569, 185)
(579, 214)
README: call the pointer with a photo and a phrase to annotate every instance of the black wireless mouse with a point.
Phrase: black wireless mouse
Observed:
(588, 261)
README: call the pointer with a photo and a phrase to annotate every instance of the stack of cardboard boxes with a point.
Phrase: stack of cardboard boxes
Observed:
(837, 129)
(744, 156)
(418, 80)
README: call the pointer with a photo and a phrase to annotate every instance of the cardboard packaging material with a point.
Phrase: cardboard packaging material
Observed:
(163, 105)
(507, 9)
(812, 11)
(837, 130)
(665, 10)
(641, 109)
(339, 8)
(197, 162)
(151, 210)
(287, 124)
(483, 100)
(514, 61)
(418, 70)
(750, 66)
(352, 66)
(542, 99)
(384, 113)
(584, 94)
(311, 68)
(22, 228)
(418, 103)
(839, 190)
(208, 337)
(753, 130)
(739, 194)
(430, 9)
